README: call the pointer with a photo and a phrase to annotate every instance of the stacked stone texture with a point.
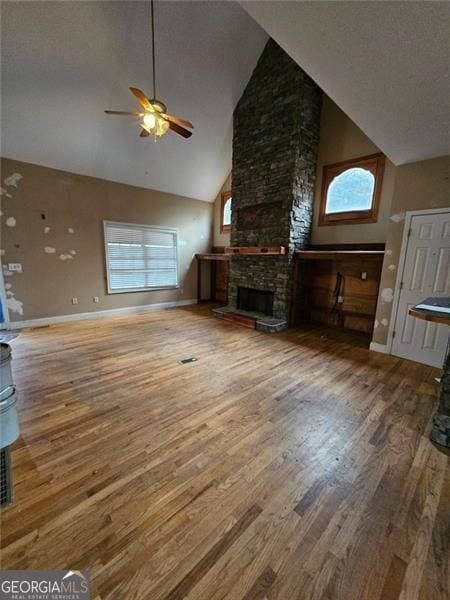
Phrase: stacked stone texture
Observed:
(275, 144)
(441, 422)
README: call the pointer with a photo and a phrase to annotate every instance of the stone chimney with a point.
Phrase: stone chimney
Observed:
(275, 144)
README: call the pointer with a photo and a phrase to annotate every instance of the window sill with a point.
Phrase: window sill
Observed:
(148, 289)
(350, 218)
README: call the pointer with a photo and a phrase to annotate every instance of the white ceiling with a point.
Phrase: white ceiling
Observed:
(63, 63)
(384, 63)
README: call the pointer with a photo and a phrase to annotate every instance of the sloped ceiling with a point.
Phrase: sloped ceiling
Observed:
(63, 63)
(384, 63)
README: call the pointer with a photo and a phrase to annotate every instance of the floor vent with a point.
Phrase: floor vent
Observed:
(5, 478)
(185, 361)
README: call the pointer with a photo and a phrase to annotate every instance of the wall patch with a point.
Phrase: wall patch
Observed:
(14, 305)
(13, 179)
(4, 192)
(398, 217)
(387, 295)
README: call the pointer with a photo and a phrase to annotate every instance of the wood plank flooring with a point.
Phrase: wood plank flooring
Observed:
(287, 466)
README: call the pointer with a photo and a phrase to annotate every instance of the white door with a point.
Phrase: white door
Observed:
(426, 274)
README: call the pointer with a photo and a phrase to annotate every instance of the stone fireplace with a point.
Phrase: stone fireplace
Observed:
(275, 144)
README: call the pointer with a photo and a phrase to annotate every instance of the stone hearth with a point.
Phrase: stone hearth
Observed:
(275, 144)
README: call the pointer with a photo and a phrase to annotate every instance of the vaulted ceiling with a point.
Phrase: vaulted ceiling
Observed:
(63, 63)
(385, 64)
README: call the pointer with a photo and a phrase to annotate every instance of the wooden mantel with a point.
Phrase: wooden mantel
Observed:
(271, 250)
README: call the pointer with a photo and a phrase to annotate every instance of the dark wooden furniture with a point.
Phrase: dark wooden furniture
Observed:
(219, 262)
(316, 298)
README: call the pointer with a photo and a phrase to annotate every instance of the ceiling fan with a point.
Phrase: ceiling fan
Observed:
(154, 118)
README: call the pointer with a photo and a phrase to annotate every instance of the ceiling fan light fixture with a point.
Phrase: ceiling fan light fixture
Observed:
(155, 124)
(162, 126)
(149, 120)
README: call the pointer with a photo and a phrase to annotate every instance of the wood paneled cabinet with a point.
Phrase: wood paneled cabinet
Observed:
(337, 289)
(219, 274)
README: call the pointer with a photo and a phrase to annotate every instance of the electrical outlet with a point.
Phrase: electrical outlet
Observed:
(364, 275)
(74, 300)
(96, 299)
(15, 267)
(340, 299)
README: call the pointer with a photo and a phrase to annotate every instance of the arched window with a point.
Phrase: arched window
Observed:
(225, 214)
(351, 191)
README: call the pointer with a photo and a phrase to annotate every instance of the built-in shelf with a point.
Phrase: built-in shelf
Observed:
(337, 254)
(271, 250)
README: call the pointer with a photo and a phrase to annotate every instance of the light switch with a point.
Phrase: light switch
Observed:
(17, 267)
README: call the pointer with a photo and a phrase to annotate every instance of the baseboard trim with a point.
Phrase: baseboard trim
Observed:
(379, 347)
(97, 314)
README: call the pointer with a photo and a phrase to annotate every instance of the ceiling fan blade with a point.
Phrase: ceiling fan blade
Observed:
(122, 112)
(142, 98)
(178, 120)
(144, 133)
(180, 130)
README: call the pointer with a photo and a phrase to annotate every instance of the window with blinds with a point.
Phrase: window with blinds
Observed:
(140, 257)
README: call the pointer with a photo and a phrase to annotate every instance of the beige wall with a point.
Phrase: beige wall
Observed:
(68, 201)
(420, 185)
(220, 239)
(341, 139)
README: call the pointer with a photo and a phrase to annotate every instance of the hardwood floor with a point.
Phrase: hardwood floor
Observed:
(286, 466)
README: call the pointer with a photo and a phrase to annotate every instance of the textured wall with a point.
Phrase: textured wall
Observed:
(418, 186)
(63, 256)
(275, 142)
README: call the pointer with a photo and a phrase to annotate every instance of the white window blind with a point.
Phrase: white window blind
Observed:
(140, 257)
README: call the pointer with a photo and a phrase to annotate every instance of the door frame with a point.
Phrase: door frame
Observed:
(409, 214)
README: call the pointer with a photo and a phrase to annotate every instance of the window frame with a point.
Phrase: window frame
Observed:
(225, 196)
(171, 230)
(373, 163)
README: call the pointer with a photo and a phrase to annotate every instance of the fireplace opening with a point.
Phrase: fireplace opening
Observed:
(255, 301)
